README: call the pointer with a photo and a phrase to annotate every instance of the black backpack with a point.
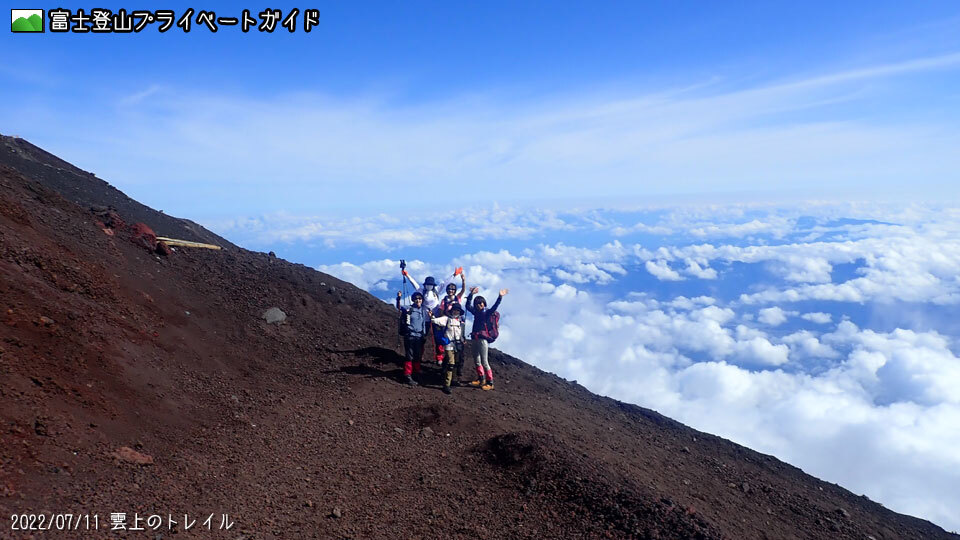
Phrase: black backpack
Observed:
(403, 322)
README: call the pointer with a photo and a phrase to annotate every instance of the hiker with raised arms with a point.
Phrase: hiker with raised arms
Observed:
(486, 329)
(431, 300)
(415, 322)
(451, 326)
(454, 297)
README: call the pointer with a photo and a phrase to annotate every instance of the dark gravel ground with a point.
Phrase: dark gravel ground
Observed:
(301, 430)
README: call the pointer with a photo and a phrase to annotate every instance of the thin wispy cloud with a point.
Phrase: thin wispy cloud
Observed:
(138, 97)
(314, 150)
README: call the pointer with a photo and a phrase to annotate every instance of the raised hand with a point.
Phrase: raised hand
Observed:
(474, 290)
(503, 292)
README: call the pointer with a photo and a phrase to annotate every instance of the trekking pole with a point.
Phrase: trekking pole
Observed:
(403, 266)
(403, 300)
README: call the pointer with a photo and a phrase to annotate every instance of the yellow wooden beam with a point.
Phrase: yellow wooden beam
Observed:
(185, 243)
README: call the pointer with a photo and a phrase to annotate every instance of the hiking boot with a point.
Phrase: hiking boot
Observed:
(446, 390)
(477, 383)
(409, 380)
(488, 386)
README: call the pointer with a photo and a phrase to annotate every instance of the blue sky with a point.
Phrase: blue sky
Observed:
(743, 216)
(619, 101)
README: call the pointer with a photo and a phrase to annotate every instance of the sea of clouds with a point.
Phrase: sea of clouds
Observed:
(823, 334)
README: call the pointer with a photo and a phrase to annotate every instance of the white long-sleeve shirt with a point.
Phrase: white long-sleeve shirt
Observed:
(431, 298)
(453, 331)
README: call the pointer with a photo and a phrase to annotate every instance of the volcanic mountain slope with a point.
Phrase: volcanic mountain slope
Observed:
(150, 385)
(87, 190)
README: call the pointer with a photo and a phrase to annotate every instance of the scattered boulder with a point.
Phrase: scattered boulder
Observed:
(274, 315)
(164, 249)
(142, 235)
(336, 513)
(129, 455)
(109, 217)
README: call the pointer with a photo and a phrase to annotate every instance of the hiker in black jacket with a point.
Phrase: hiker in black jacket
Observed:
(485, 330)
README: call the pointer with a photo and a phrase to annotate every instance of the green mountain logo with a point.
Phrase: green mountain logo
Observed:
(26, 20)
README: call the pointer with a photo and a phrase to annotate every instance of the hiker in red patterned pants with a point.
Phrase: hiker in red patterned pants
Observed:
(483, 333)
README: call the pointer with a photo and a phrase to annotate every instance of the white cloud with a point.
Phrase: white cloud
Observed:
(902, 365)
(875, 411)
(642, 228)
(755, 227)
(713, 313)
(802, 269)
(744, 333)
(383, 231)
(758, 351)
(500, 259)
(772, 316)
(662, 271)
(566, 292)
(817, 317)
(806, 345)
(587, 272)
(696, 269)
(684, 303)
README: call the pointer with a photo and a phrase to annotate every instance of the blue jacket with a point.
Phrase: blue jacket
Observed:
(419, 320)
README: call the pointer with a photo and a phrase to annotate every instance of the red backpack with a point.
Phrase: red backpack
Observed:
(492, 327)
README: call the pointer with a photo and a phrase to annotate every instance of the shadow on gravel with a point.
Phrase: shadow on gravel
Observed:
(381, 359)
(372, 372)
(431, 377)
(378, 355)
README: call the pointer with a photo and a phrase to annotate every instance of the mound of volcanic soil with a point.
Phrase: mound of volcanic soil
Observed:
(149, 384)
